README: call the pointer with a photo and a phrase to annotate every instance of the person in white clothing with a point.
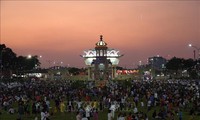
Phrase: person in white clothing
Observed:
(87, 111)
(84, 117)
(135, 110)
(113, 108)
(44, 115)
(142, 104)
(110, 117)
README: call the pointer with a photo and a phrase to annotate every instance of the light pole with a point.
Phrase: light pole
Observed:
(198, 51)
(198, 58)
(140, 67)
(40, 58)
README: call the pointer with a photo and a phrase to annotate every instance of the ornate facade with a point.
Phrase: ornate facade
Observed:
(101, 61)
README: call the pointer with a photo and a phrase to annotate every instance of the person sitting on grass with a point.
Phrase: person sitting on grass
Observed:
(84, 117)
(11, 110)
(78, 116)
(129, 117)
(95, 115)
(110, 117)
(44, 115)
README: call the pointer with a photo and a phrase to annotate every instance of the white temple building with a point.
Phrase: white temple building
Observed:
(101, 61)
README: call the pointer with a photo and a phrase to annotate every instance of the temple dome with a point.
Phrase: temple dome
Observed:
(101, 43)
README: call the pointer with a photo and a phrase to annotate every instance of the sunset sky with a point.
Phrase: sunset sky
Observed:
(62, 30)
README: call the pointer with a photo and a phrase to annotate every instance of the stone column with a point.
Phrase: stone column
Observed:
(89, 73)
(114, 71)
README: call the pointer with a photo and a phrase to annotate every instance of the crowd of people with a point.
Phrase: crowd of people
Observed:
(120, 100)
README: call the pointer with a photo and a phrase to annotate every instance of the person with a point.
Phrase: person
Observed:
(44, 115)
(145, 117)
(62, 107)
(95, 115)
(110, 117)
(135, 110)
(0, 111)
(20, 110)
(129, 117)
(70, 105)
(34, 111)
(180, 114)
(149, 105)
(113, 108)
(142, 104)
(95, 104)
(119, 116)
(84, 117)
(78, 116)
(11, 110)
(154, 115)
(87, 111)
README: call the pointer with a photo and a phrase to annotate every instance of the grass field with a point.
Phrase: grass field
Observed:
(72, 115)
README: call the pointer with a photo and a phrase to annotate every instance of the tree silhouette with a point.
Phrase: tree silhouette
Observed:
(8, 57)
(9, 62)
(178, 65)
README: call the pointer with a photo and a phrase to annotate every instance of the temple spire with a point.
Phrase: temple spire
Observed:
(101, 43)
(101, 37)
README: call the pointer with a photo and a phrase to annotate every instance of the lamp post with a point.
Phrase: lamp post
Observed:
(198, 51)
(198, 58)
(40, 58)
(140, 68)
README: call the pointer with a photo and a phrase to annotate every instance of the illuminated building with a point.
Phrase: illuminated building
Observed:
(101, 61)
(157, 62)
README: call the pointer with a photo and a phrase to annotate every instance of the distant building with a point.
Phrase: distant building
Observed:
(58, 73)
(157, 62)
(101, 61)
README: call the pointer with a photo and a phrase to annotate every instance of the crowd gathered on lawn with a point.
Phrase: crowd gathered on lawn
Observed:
(121, 100)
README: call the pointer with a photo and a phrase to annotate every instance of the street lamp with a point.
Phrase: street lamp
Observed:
(140, 63)
(198, 59)
(34, 60)
(29, 56)
(40, 58)
(198, 50)
(61, 63)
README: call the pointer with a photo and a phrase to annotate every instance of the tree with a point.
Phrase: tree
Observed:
(74, 71)
(178, 65)
(188, 63)
(119, 68)
(25, 63)
(9, 62)
(174, 64)
(8, 58)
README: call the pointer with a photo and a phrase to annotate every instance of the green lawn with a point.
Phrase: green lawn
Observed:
(72, 115)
